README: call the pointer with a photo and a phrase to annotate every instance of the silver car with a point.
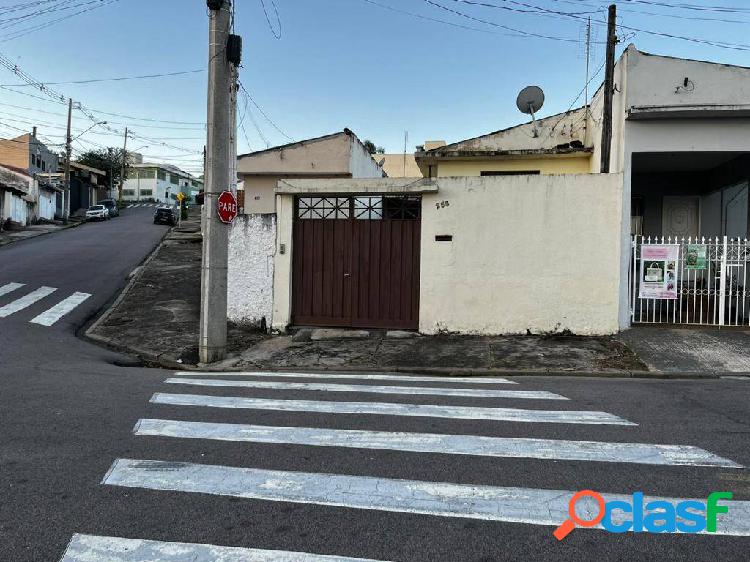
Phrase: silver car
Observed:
(97, 213)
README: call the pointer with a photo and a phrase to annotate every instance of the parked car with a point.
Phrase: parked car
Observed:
(97, 213)
(111, 204)
(165, 215)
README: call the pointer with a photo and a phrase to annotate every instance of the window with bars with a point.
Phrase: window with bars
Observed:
(364, 207)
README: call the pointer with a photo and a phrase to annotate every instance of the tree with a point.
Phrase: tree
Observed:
(372, 149)
(108, 160)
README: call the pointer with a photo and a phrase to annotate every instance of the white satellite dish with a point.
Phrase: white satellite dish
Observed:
(529, 101)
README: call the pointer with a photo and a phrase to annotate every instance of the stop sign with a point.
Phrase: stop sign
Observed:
(227, 207)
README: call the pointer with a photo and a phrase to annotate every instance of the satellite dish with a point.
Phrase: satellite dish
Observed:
(529, 101)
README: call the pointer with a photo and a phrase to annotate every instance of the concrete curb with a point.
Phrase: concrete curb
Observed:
(148, 357)
(64, 227)
(469, 372)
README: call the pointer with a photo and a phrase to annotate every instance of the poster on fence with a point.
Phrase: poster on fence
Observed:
(659, 270)
(696, 256)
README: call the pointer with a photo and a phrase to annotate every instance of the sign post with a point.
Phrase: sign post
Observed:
(226, 207)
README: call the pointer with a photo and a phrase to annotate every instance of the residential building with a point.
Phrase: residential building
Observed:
(28, 153)
(516, 231)
(16, 197)
(559, 144)
(398, 165)
(339, 155)
(159, 182)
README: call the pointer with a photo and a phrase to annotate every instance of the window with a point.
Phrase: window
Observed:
(132, 174)
(128, 192)
(44, 166)
(146, 192)
(510, 173)
(323, 208)
(174, 179)
(147, 174)
(161, 174)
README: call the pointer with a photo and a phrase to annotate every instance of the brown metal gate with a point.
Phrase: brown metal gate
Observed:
(356, 261)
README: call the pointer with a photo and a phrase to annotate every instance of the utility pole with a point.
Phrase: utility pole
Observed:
(122, 169)
(609, 89)
(213, 318)
(68, 153)
(110, 153)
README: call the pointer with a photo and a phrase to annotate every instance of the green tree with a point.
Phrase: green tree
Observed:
(108, 160)
(372, 149)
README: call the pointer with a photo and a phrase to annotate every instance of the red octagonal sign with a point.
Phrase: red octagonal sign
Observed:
(227, 207)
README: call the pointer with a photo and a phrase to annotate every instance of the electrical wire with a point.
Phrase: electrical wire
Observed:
(268, 19)
(116, 79)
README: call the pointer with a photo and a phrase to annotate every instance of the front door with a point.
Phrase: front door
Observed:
(356, 261)
(680, 216)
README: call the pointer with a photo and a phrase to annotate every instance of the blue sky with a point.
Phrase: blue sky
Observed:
(338, 63)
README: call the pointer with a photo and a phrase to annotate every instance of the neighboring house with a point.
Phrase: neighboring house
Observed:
(159, 182)
(16, 187)
(339, 155)
(398, 165)
(84, 186)
(560, 144)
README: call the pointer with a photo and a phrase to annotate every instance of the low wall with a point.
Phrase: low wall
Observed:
(252, 241)
(528, 253)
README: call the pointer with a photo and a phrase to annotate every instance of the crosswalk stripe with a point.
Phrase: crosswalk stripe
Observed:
(92, 548)
(26, 301)
(490, 503)
(369, 389)
(49, 317)
(130, 206)
(386, 409)
(546, 449)
(357, 377)
(9, 288)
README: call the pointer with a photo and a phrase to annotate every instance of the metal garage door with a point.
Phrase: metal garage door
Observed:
(356, 261)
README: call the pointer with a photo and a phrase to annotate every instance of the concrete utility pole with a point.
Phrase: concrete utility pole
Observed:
(68, 153)
(213, 320)
(122, 169)
(609, 89)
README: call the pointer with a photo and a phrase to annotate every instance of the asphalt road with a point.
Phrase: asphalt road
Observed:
(67, 413)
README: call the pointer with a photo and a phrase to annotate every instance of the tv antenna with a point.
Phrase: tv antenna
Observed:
(529, 101)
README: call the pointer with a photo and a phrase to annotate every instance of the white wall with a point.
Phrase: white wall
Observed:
(17, 209)
(538, 253)
(361, 163)
(46, 204)
(252, 240)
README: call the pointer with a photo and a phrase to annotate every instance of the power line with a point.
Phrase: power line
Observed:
(116, 79)
(268, 19)
(263, 113)
(23, 32)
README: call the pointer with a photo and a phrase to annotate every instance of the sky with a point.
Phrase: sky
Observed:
(379, 67)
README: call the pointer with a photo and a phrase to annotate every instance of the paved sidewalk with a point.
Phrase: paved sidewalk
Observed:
(157, 318)
(686, 350)
(32, 231)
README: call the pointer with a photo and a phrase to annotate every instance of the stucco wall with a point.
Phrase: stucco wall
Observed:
(46, 204)
(538, 253)
(252, 240)
(560, 165)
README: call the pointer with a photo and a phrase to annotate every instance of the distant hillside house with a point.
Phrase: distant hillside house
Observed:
(160, 183)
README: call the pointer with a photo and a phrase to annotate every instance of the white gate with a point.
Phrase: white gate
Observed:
(714, 296)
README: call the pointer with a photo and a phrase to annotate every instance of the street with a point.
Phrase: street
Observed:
(75, 427)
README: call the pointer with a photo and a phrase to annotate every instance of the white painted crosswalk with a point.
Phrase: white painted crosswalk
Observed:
(370, 389)
(364, 493)
(388, 409)
(89, 548)
(48, 317)
(508, 447)
(489, 503)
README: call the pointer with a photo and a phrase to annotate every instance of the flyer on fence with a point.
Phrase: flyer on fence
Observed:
(659, 270)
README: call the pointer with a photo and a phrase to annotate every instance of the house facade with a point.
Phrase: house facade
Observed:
(160, 183)
(26, 152)
(339, 155)
(16, 197)
(560, 144)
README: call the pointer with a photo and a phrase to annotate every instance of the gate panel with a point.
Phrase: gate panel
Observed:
(714, 296)
(356, 261)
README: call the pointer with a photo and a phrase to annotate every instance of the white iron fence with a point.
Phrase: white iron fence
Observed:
(713, 292)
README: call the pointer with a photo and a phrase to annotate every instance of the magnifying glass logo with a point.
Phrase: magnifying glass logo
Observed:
(569, 524)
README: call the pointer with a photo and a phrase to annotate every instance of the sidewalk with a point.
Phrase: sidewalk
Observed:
(32, 231)
(157, 319)
(157, 315)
